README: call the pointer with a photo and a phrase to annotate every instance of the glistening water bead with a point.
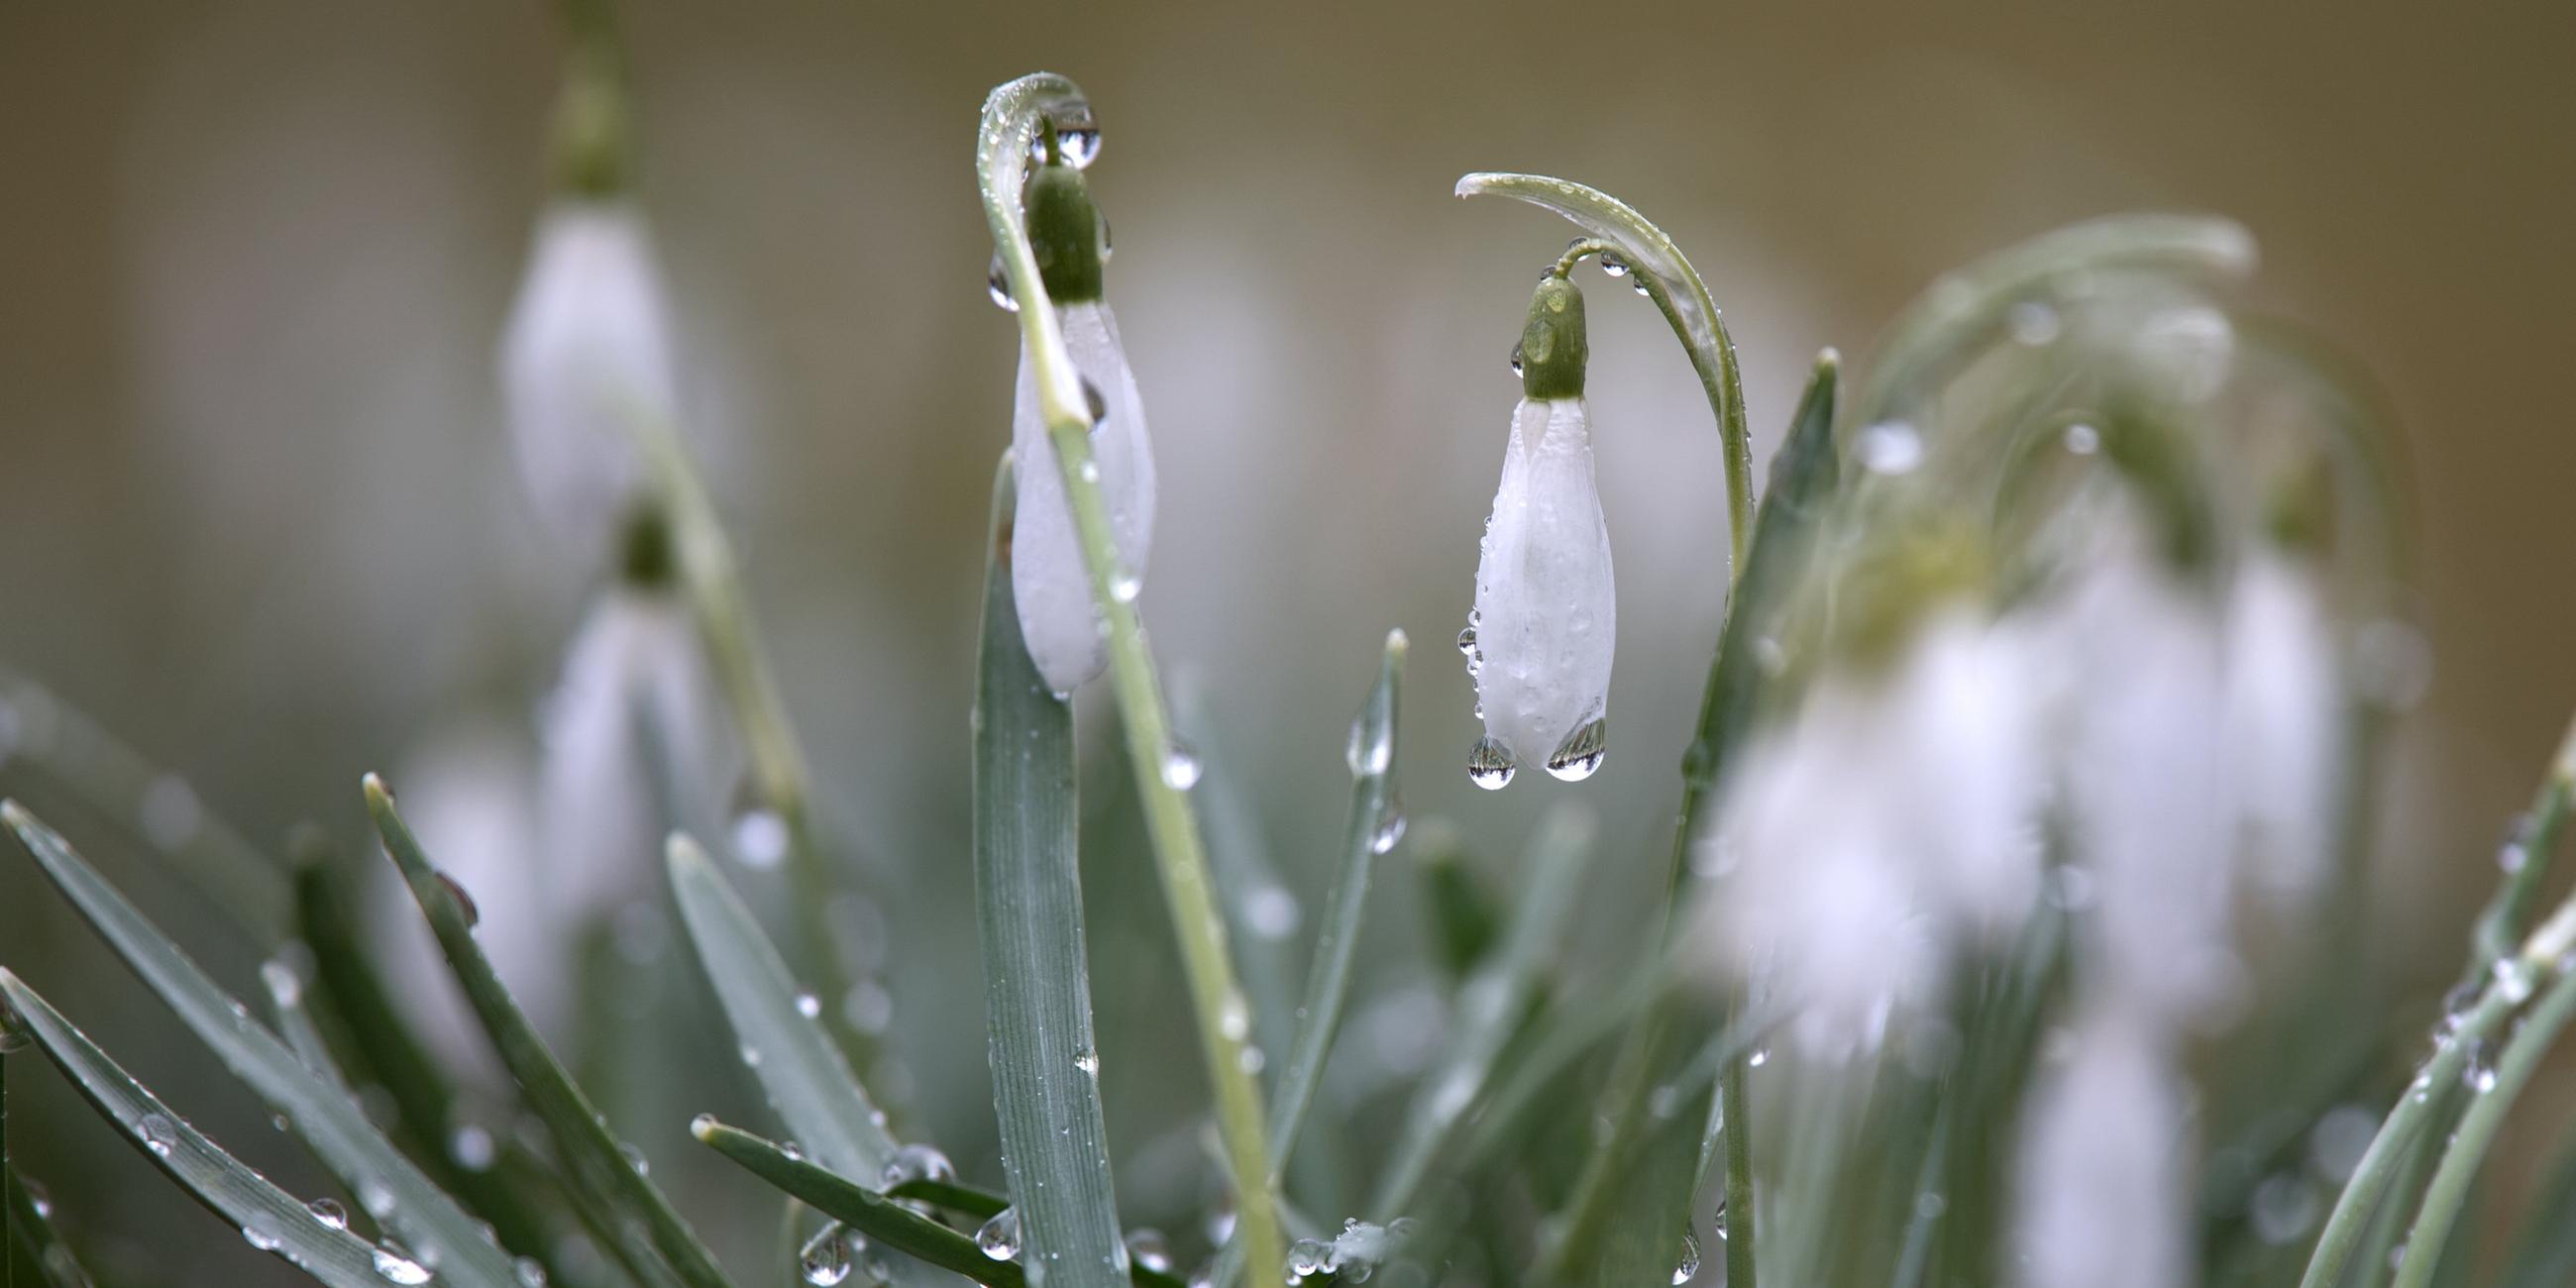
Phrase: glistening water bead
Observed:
(999, 1238)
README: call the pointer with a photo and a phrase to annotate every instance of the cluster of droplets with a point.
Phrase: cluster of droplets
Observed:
(917, 1163)
(1351, 1256)
(1491, 763)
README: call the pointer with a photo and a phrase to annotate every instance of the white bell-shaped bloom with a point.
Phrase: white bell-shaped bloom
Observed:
(1545, 622)
(1059, 620)
(588, 344)
(2284, 718)
(1888, 822)
(2103, 1197)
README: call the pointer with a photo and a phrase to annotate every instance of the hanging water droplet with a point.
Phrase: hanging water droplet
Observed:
(635, 1158)
(1613, 265)
(2477, 1069)
(1390, 824)
(1890, 447)
(825, 1260)
(999, 1238)
(1308, 1257)
(329, 1212)
(760, 838)
(1088, 1061)
(997, 283)
(1181, 765)
(1688, 1267)
(464, 902)
(702, 1126)
(1490, 764)
(394, 1267)
(1077, 136)
(1148, 1250)
(1467, 642)
(261, 1232)
(1369, 749)
(1580, 754)
(917, 1163)
(158, 1134)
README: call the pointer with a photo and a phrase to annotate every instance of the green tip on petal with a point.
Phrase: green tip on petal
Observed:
(1064, 232)
(1554, 346)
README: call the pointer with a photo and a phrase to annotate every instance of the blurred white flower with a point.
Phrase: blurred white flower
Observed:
(1884, 824)
(2101, 1177)
(633, 743)
(1058, 619)
(2285, 708)
(589, 344)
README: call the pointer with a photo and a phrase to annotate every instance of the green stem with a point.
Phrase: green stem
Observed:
(2537, 840)
(1012, 116)
(2450, 1185)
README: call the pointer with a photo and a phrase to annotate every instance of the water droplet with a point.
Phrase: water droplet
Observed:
(1467, 642)
(1181, 765)
(760, 838)
(1580, 754)
(1272, 913)
(826, 1258)
(329, 1212)
(917, 1163)
(1613, 265)
(1125, 586)
(1250, 1059)
(1890, 447)
(999, 1238)
(471, 1147)
(2083, 440)
(464, 902)
(1760, 1057)
(158, 1134)
(997, 283)
(1087, 1060)
(2516, 850)
(750, 1055)
(529, 1272)
(702, 1125)
(397, 1268)
(1077, 135)
(1516, 357)
(171, 815)
(2513, 979)
(1097, 404)
(1390, 824)
(2477, 1070)
(1147, 1249)
(1308, 1257)
(1490, 764)
(1234, 1018)
(809, 1006)
(1688, 1267)
(375, 1198)
(261, 1232)
(635, 1159)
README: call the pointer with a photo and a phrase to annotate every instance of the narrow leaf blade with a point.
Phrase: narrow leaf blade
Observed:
(268, 1216)
(858, 1207)
(1037, 981)
(417, 1211)
(580, 1134)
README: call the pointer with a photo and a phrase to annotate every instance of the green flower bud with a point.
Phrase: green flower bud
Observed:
(1553, 345)
(1064, 231)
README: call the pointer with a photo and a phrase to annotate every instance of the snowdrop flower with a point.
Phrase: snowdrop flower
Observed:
(1889, 821)
(2284, 706)
(1059, 621)
(1539, 642)
(2101, 1178)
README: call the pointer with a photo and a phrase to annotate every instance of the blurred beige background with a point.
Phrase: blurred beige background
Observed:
(258, 512)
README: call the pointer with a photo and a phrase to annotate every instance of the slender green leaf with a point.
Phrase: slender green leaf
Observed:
(965, 1200)
(1375, 823)
(2544, 1252)
(1037, 979)
(269, 1218)
(581, 1137)
(1491, 1006)
(295, 1023)
(862, 1209)
(387, 1184)
(2495, 1090)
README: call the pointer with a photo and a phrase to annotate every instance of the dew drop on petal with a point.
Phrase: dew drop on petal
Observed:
(1580, 754)
(1490, 764)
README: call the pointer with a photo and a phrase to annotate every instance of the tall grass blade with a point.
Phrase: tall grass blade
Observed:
(386, 1183)
(1037, 980)
(270, 1218)
(581, 1137)
(858, 1207)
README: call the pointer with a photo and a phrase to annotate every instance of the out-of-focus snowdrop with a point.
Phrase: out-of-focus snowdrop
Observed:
(1059, 620)
(1539, 642)
(1885, 824)
(2101, 1176)
(2285, 713)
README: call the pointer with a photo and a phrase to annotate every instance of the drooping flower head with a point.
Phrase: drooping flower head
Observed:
(1540, 638)
(1059, 620)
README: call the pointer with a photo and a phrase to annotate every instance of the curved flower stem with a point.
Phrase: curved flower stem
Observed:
(2523, 1053)
(2537, 839)
(2542, 959)
(1012, 116)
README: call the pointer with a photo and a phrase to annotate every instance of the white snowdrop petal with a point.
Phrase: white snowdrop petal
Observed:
(1545, 607)
(588, 342)
(1058, 620)
(2102, 1186)
(2283, 710)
